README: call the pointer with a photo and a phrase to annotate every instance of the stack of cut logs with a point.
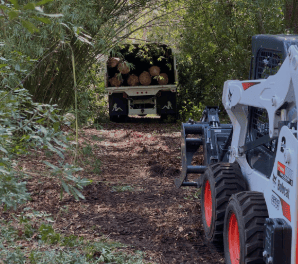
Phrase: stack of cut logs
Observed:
(145, 77)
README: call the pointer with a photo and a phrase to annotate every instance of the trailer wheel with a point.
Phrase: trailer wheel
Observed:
(219, 182)
(244, 228)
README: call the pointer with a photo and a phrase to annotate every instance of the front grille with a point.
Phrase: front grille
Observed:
(268, 63)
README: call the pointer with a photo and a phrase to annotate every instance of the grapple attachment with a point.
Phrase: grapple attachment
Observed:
(209, 133)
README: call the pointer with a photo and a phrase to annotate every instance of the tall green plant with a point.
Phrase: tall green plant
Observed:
(216, 44)
(24, 124)
(91, 28)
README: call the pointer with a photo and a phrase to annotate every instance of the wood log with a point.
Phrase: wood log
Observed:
(123, 68)
(145, 78)
(113, 62)
(132, 80)
(154, 71)
(163, 79)
(116, 81)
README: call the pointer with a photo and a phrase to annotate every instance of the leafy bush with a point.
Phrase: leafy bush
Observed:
(215, 46)
(26, 125)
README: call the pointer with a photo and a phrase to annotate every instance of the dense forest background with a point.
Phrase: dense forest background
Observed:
(212, 40)
(52, 59)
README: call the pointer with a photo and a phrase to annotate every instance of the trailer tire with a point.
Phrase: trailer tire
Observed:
(219, 182)
(244, 228)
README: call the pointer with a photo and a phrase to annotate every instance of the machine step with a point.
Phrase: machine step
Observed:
(193, 129)
(193, 142)
(194, 184)
(196, 169)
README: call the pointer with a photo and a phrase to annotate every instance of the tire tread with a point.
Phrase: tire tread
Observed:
(228, 181)
(254, 212)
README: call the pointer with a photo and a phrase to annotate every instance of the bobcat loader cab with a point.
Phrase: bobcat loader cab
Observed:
(249, 178)
(264, 144)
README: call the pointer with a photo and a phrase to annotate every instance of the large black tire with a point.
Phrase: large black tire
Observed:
(219, 182)
(244, 228)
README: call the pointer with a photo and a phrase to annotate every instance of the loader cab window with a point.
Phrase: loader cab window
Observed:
(262, 157)
(268, 63)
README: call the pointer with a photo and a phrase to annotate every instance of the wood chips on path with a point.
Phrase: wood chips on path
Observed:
(133, 200)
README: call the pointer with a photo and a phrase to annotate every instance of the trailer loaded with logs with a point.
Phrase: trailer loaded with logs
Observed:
(141, 80)
(249, 174)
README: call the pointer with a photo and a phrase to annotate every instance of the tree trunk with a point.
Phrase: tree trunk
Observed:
(291, 18)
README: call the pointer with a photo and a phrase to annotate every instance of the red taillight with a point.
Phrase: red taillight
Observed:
(248, 84)
(286, 210)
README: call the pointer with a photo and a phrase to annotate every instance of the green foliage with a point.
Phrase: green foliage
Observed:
(75, 249)
(89, 29)
(87, 150)
(90, 158)
(216, 45)
(92, 103)
(47, 234)
(191, 110)
(25, 125)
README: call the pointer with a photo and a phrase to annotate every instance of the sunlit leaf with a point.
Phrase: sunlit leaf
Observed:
(52, 15)
(29, 6)
(85, 40)
(65, 25)
(43, 2)
(17, 67)
(39, 9)
(4, 171)
(39, 121)
(56, 126)
(3, 7)
(79, 193)
(15, 3)
(65, 187)
(12, 14)
(51, 165)
(43, 19)
(29, 26)
(3, 150)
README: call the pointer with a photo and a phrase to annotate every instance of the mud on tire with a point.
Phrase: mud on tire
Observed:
(246, 213)
(219, 182)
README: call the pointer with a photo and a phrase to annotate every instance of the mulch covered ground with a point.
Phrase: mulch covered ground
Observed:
(133, 200)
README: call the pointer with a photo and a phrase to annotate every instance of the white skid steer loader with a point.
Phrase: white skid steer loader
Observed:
(249, 181)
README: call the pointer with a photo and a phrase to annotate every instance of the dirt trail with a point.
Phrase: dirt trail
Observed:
(134, 200)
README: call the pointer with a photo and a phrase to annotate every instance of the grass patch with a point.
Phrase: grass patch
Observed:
(88, 159)
(31, 238)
